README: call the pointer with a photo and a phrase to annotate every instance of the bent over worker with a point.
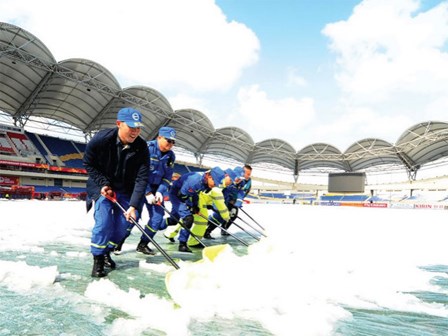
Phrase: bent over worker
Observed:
(184, 197)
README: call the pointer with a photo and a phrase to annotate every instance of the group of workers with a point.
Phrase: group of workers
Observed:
(123, 168)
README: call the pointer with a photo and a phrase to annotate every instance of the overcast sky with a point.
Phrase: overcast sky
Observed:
(304, 71)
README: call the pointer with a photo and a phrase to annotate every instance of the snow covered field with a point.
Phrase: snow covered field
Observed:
(320, 271)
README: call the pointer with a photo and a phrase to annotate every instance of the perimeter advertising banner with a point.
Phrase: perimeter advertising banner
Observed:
(8, 180)
(23, 164)
(43, 166)
(68, 170)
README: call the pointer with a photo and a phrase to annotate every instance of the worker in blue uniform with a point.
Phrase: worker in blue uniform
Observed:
(184, 197)
(161, 164)
(234, 195)
(116, 160)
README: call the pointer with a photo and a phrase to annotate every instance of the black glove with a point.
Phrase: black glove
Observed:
(182, 197)
(194, 209)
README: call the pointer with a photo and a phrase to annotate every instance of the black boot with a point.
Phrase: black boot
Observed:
(117, 249)
(98, 267)
(207, 234)
(169, 238)
(108, 262)
(226, 227)
(198, 246)
(143, 248)
(184, 248)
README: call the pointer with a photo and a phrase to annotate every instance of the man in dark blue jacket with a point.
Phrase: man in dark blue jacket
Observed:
(116, 161)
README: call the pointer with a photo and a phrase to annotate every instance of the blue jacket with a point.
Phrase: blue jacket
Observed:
(101, 162)
(236, 192)
(160, 168)
(188, 187)
(243, 189)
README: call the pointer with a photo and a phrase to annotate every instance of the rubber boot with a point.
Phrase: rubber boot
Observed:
(183, 247)
(169, 238)
(108, 262)
(197, 246)
(225, 226)
(207, 234)
(117, 249)
(223, 232)
(143, 248)
(98, 267)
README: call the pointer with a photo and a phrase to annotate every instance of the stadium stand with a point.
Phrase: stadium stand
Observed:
(54, 160)
(38, 145)
(64, 150)
(23, 144)
(5, 146)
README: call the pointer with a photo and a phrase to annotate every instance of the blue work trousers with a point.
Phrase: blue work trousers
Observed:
(155, 222)
(180, 210)
(110, 224)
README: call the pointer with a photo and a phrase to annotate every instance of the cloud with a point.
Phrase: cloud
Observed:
(392, 68)
(158, 43)
(274, 118)
(184, 101)
(388, 47)
(294, 79)
(361, 123)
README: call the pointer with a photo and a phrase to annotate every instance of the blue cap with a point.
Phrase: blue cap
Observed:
(167, 132)
(231, 173)
(239, 172)
(130, 116)
(217, 175)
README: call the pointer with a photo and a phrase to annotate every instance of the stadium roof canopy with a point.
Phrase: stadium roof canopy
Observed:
(82, 96)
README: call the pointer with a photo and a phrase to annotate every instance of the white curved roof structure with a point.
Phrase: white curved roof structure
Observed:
(274, 151)
(423, 143)
(193, 129)
(232, 142)
(320, 155)
(370, 152)
(83, 96)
